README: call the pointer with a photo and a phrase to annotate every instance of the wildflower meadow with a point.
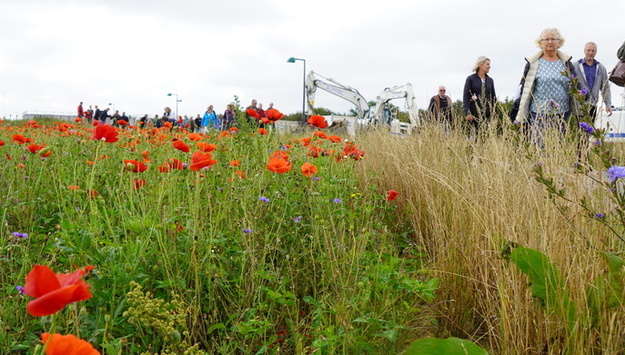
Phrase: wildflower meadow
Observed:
(160, 241)
(154, 241)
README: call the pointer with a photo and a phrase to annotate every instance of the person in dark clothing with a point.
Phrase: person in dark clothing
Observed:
(440, 106)
(478, 97)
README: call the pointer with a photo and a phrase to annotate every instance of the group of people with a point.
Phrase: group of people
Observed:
(210, 119)
(544, 98)
(116, 119)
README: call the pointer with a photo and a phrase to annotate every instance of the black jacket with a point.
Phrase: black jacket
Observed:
(486, 98)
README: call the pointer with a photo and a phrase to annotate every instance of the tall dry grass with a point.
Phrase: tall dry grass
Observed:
(466, 199)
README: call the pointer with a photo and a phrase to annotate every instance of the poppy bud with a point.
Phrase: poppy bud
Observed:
(130, 166)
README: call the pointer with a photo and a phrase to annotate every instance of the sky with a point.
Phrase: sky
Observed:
(129, 54)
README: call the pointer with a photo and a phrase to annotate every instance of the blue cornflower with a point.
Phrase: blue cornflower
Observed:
(599, 215)
(246, 230)
(586, 127)
(20, 235)
(616, 172)
(20, 289)
(297, 219)
(264, 199)
(337, 200)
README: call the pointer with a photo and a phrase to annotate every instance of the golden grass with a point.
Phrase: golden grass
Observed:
(465, 200)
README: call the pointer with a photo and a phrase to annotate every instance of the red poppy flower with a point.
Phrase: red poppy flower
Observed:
(104, 132)
(34, 148)
(262, 131)
(240, 173)
(180, 145)
(279, 154)
(57, 344)
(122, 123)
(318, 121)
(146, 156)
(164, 168)
(206, 147)
(320, 134)
(273, 114)
(175, 164)
(53, 291)
(20, 139)
(73, 187)
(314, 151)
(391, 195)
(138, 183)
(135, 166)
(41, 149)
(235, 162)
(334, 139)
(201, 160)
(2, 143)
(253, 113)
(194, 137)
(78, 119)
(308, 169)
(279, 165)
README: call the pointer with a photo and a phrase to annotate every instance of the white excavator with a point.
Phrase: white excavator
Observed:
(379, 116)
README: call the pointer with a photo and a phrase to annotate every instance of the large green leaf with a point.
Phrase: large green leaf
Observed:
(449, 346)
(546, 282)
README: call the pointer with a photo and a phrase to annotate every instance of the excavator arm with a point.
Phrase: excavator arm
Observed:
(315, 81)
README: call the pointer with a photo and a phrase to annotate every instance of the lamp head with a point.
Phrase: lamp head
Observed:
(169, 94)
(291, 60)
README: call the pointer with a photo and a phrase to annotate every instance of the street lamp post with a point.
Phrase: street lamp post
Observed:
(177, 101)
(292, 60)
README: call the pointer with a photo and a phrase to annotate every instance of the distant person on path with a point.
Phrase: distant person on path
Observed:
(440, 106)
(104, 114)
(544, 100)
(89, 115)
(478, 97)
(97, 113)
(229, 118)
(81, 111)
(594, 77)
(209, 120)
(251, 113)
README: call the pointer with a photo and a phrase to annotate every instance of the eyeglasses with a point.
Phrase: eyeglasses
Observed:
(550, 39)
(442, 90)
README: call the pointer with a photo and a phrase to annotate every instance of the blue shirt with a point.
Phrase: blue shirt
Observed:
(590, 71)
(551, 91)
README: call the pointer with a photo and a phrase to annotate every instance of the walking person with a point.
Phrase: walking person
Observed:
(544, 101)
(229, 118)
(209, 120)
(478, 97)
(440, 106)
(594, 77)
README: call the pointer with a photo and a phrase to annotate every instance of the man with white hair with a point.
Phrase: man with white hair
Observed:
(594, 77)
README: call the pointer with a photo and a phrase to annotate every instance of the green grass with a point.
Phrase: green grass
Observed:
(197, 261)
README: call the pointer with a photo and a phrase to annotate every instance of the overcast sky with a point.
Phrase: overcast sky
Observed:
(132, 53)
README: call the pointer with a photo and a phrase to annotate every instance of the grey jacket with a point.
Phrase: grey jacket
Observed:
(601, 84)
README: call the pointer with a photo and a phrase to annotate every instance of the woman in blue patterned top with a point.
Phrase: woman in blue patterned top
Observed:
(544, 100)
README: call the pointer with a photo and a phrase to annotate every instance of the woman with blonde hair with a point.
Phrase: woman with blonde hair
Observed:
(479, 99)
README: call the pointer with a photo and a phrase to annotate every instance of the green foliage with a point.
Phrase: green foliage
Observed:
(546, 282)
(218, 268)
(449, 346)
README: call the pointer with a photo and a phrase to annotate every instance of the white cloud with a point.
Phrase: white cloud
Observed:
(132, 53)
